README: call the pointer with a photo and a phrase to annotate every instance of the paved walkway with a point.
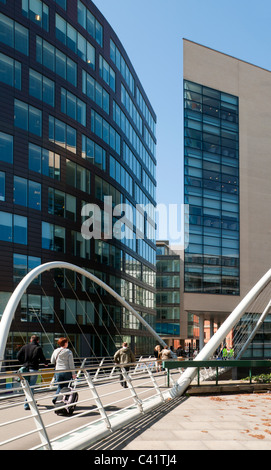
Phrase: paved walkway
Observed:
(217, 422)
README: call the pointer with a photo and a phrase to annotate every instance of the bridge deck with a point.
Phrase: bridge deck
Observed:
(145, 388)
(205, 422)
(114, 399)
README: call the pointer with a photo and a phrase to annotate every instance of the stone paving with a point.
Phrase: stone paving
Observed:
(229, 422)
(217, 422)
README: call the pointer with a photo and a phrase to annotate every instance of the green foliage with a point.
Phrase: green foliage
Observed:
(260, 379)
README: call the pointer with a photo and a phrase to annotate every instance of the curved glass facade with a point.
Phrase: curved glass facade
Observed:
(76, 127)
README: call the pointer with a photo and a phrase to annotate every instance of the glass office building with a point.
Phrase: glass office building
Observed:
(211, 155)
(75, 126)
(227, 186)
(168, 296)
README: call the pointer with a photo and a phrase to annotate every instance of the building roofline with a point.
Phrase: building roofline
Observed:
(227, 55)
(114, 35)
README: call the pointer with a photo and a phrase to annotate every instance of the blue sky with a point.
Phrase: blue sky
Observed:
(151, 32)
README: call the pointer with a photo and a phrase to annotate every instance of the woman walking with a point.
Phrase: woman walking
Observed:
(62, 358)
(157, 355)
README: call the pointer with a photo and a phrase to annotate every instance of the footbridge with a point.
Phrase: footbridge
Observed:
(104, 406)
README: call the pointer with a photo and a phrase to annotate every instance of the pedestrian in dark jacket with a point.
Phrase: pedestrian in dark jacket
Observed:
(124, 356)
(31, 356)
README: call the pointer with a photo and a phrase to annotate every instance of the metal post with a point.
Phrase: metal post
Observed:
(137, 366)
(112, 371)
(97, 400)
(155, 384)
(99, 368)
(201, 332)
(127, 379)
(36, 414)
(167, 378)
(80, 369)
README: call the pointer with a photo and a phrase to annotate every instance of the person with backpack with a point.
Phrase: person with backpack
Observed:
(62, 358)
(31, 356)
(124, 356)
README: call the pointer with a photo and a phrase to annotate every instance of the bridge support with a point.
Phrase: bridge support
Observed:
(209, 349)
(15, 298)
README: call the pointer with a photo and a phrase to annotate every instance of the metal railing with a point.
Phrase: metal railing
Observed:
(103, 405)
(210, 369)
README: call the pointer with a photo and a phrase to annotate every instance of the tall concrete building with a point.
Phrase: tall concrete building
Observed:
(227, 142)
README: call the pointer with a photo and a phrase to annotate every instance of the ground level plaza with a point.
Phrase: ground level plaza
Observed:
(204, 422)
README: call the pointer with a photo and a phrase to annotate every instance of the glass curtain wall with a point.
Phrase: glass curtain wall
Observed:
(168, 292)
(211, 149)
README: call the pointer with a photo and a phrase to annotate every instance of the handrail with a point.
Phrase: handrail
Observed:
(215, 363)
(212, 345)
(103, 406)
(15, 298)
(89, 360)
(12, 365)
(218, 362)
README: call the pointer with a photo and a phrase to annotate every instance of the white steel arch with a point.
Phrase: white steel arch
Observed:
(26, 281)
(186, 378)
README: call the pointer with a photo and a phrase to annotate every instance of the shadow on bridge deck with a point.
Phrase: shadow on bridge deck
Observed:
(225, 417)
(121, 438)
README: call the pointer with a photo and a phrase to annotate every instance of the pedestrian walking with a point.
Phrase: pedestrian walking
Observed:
(62, 358)
(225, 353)
(124, 356)
(179, 351)
(31, 356)
(157, 355)
(195, 353)
(231, 353)
(166, 354)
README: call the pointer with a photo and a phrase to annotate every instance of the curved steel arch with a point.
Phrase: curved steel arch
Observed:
(186, 378)
(15, 298)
